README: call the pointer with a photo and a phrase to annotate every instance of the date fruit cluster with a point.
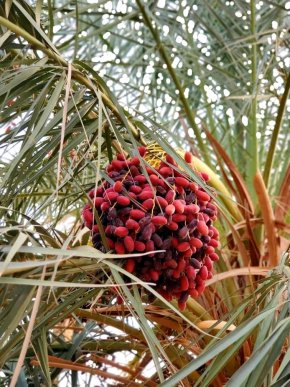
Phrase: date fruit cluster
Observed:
(164, 210)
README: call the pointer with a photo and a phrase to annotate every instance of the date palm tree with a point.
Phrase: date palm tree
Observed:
(84, 80)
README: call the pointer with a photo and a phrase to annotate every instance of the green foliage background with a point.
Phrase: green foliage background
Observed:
(81, 79)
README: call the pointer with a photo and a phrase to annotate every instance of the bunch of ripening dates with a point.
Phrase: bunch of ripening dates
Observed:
(167, 212)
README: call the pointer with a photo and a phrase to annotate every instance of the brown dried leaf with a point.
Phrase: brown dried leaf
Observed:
(268, 217)
(283, 203)
(251, 270)
(244, 195)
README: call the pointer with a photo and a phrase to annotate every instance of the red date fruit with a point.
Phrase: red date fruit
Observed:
(118, 186)
(170, 209)
(129, 244)
(98, 202)
(130, 265)
(202, 228)
(195, 242)
(183, 246)
(178, 218)
(157, 240)
(159, 220)
(193, 186)
(87, 214)
(200, 288)
(203, 272)
(154, 179)
(170, 160)
(135, 189)
(161, 201)
(203, 196)
(117, 165)
(213, 243)
(120, 248)
(204, 176)
(135, 161)
(208, 263)
(144, 195)
(111, 196)
(123, 200)
(179, 206)
(214, 257)
(121, 232)
(148, 204)
(191, 209)
(181, 305)
(139, 246)
(182, 181)
(110, 243)
(188, 157)
(193, 293)
(154, 275)
(131, 224)
(184, 284)
(121, 157)
(165, 171)
(150, 247)
(172, 226)
(137, 214)
(190, 272)
(105, 206)
(183, 232)
(169, 197)
(142, 150)
(140, 179)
